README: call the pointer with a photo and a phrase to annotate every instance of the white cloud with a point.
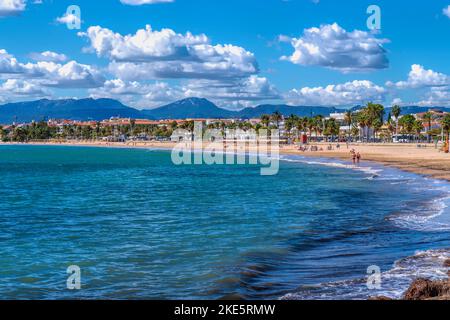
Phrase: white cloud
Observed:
(141, 2)
(48, 56)
(419, 77)
(14, 89)
(11, 7)
(437, 97)
(350, 93)
(136, 94)
(70, 19)
(69, 75)
(245, 92)
(333, 47)
(9, 64)
(446, 11)
(251, 89)
(150, 54)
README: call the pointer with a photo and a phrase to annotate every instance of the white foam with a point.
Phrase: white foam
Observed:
(394, 282)
(368, 170)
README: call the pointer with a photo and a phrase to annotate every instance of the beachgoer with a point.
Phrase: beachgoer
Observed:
(358, 157)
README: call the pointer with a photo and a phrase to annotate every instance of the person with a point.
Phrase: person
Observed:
(358, 157)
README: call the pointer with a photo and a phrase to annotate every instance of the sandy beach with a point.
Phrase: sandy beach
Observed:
(426, 160)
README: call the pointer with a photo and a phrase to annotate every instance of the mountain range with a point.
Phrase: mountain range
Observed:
(190, 108)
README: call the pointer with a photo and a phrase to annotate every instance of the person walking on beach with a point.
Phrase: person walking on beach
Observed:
(358, 158)
(353, 153)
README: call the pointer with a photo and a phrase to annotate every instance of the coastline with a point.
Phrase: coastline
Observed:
(425, 161)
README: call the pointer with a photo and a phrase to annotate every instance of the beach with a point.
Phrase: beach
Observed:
(426, 160)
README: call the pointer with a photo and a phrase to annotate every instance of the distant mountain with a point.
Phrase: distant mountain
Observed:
(191, 108)
(416, 109)
(82, 109)
(301, 111)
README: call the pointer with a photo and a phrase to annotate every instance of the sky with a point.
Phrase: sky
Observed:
(236, 53)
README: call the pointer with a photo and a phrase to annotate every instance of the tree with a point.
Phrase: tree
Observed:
(2, 133)
(265, 120)
(349, 121)
(418, 127)
(277, 117)
(446, 128)
(407, 123)
(428, 117)
(396, 112)
(291, 123)
(377, 124)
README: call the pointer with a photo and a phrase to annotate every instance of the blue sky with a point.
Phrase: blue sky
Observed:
(235, 53)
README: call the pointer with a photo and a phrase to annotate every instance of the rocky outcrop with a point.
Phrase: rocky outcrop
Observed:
(423, 289)
(447, 263)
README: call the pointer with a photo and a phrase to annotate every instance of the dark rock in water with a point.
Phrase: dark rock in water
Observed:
(380, 298)
(423, 289)
(232, 297)
(447, 263)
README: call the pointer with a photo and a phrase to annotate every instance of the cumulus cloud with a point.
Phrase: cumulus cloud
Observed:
(11, 7)
(141, 2)
(150, 54)
(437, 96)
(70, 19)
(253, 88)
(9, 64)
(350, 93)
(48, 56)
(69, 75)
(13, 89)
(333, 47)
(136, 94)
(419, 77)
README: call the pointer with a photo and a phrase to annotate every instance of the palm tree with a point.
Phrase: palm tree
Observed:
(418, 127)
(310, 125)
(290, 124)
(265, 120)
(396, 112)
(349, 121)
(319, 125)
(277, 117)
(362, 122)
(446, 128)
(300, 126)
(428, 117)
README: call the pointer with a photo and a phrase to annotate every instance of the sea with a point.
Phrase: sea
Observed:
(136, 226)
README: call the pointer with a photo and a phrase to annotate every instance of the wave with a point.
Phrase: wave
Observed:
(423, 216)
(373, 172)
(394, 282)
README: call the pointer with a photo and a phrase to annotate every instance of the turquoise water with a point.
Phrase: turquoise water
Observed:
(141, 228)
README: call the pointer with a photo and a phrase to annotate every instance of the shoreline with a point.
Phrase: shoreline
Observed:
(426, 161)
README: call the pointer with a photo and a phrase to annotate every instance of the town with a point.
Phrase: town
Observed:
(369, 124)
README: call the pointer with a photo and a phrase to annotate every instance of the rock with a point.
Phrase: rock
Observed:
(423, 289)
(447, 263)
(380, 298)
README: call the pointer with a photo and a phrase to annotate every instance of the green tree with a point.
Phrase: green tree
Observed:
(277, 117)
(396, 112)
(446, 127)
(407, 123)
(428, 117)
(265, 120)
(349, 121)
